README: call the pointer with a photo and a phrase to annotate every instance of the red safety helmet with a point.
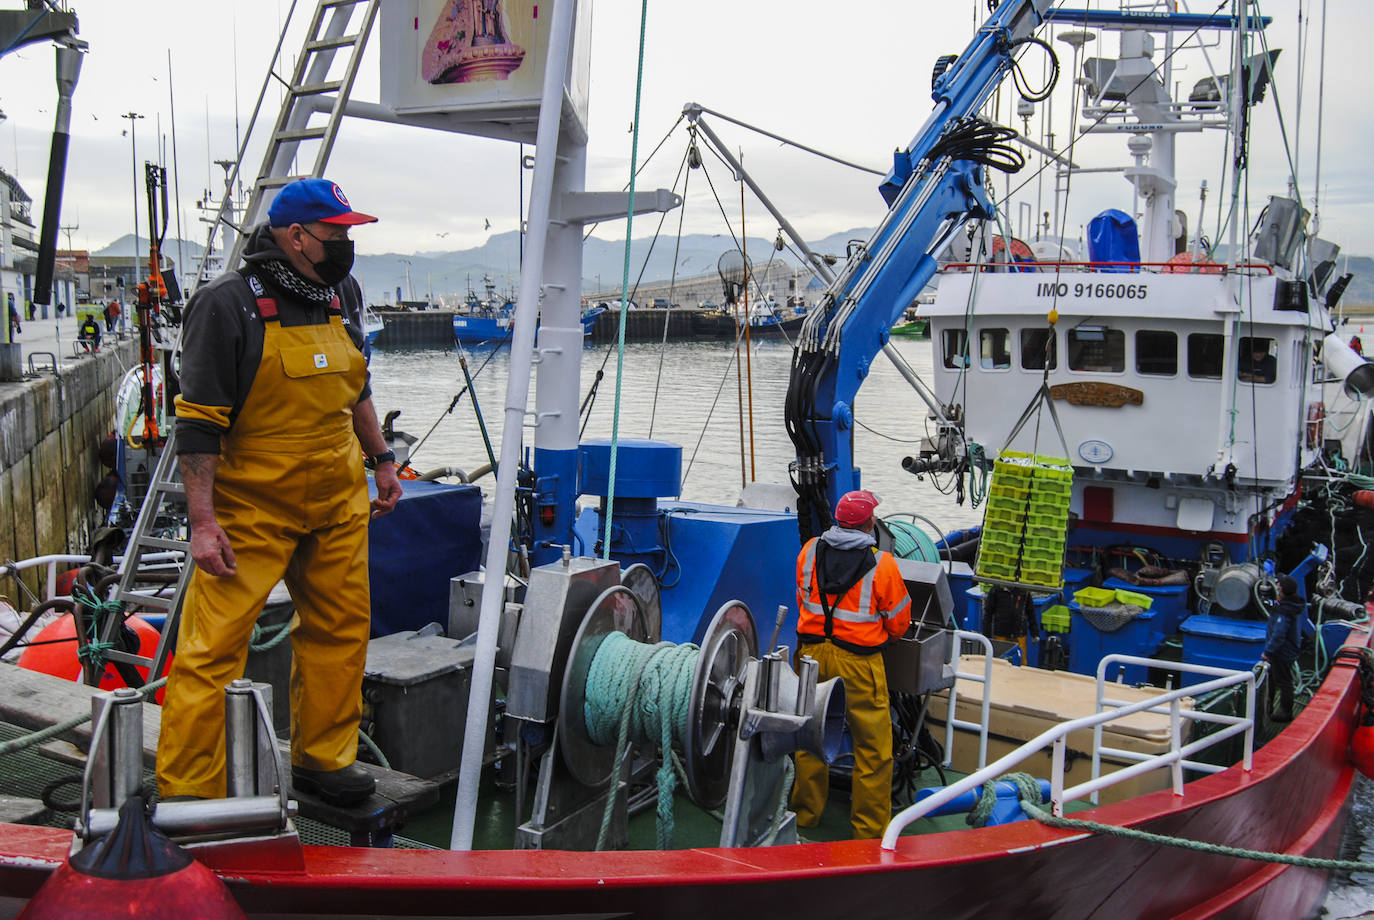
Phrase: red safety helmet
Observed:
(855, 508)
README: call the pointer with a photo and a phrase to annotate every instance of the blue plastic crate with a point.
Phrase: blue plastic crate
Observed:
(1088, 645)
(1222, 642)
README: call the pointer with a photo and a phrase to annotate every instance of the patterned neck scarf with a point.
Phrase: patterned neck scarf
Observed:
(292, 281)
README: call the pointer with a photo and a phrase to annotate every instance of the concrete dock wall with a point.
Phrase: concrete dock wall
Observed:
(50, 429)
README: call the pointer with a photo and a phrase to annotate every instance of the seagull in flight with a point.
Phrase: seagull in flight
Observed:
(441, 235)
(488, 224)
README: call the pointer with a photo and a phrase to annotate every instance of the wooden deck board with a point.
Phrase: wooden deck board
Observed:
(34, 701)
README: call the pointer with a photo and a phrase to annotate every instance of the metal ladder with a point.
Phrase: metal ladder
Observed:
(144, 588)
(307, 93)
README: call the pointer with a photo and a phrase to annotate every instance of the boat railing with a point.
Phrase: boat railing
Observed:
(1109, 710)
(985, 678)
(53, 560)
(1231, 725)
(1115, 268)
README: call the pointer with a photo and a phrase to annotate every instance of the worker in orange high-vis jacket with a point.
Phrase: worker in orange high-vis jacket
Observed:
(851, 600)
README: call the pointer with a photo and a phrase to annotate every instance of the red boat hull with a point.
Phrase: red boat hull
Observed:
(1295, 800)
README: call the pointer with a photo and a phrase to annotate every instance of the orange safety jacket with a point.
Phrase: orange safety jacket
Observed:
(875, 608)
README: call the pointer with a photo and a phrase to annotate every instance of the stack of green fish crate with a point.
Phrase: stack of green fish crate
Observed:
(1026, 518)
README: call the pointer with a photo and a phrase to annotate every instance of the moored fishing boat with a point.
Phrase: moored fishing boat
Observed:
(1122, 494)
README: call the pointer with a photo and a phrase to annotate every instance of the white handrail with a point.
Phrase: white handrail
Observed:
(1057, 736)
(53, 560)
(951, 722)
(1236, 724)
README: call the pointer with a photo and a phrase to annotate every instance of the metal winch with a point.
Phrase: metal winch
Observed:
(738, 718)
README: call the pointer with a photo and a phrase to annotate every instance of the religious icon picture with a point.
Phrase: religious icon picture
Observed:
(470, 43)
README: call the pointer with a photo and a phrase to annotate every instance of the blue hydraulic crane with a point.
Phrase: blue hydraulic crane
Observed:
(936, 185)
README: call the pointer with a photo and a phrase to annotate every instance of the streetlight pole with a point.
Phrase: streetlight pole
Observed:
(410, 291)
(133, 154)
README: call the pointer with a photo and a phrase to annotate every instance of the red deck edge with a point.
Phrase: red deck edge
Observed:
(1294, 801)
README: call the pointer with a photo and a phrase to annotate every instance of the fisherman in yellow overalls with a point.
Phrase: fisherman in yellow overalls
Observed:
(274, 405)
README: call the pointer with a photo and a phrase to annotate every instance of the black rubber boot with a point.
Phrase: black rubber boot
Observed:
(346, 786)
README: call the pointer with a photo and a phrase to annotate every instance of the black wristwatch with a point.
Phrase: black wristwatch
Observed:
(386, 456)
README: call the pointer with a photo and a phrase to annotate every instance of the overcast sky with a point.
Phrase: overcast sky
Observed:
(852, 79)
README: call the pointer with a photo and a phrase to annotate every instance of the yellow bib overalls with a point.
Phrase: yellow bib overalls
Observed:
(291, 495)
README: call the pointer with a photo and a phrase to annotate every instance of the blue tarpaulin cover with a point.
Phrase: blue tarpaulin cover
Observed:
(433, 535)
(1113, 237)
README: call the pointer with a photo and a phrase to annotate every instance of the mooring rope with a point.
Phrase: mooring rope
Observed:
(1028, 791)
(43, 734)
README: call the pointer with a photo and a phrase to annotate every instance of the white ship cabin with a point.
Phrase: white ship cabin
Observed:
(1182, 384)
(1162, 381)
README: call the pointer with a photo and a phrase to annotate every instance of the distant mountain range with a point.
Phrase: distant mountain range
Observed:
(449, 274)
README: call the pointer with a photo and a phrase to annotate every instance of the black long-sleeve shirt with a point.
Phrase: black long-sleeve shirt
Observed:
(1283, 638)
(221, 343)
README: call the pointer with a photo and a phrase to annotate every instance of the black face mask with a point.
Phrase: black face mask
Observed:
(338, 260)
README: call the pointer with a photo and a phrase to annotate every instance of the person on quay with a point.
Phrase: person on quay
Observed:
(275, 403)
(1283, 641)
(89, 331)
(851, 600)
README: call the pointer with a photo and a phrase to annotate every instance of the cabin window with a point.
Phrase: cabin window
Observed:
(994, 349)
(1097, 349)
(1036, 346)
(1156, 353)
(1257, 360)
(954, 347)
(1205, 351)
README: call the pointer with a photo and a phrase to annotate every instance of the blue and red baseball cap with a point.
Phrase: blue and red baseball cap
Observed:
(309, 200)
(855, 508)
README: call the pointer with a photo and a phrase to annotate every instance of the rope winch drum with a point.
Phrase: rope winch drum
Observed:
(713, 705)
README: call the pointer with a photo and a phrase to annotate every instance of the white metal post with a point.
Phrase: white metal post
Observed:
(517, 399)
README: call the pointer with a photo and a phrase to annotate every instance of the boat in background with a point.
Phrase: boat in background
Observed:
(766, 318)
(918, 328)
(488, 321)
(373, 326)
(492, 325)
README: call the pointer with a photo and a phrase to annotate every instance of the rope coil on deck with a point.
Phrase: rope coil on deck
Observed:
(640, 693)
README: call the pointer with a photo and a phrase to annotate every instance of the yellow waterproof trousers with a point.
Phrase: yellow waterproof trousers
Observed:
(291, 495)
(870, 727)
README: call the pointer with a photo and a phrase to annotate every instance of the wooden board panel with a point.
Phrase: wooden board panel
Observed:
(32, 700)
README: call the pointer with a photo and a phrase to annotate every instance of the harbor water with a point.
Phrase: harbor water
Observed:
(691, 393)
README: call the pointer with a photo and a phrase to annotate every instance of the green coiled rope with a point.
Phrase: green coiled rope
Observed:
(637, 693)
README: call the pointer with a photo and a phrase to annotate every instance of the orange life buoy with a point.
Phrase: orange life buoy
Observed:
(1187, 263)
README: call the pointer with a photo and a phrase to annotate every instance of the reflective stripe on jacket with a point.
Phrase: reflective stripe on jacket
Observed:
(877, 607)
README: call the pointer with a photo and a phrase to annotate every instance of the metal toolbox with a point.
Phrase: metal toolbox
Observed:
(915, 663)
(415, 691)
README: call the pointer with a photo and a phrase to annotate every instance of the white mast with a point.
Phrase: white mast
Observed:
(517, 399)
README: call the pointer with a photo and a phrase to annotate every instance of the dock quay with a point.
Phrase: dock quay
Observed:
(52, 420)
